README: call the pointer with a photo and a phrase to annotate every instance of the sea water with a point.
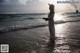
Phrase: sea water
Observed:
(11, 22)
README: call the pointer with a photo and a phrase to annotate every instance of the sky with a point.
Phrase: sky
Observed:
(31, 6)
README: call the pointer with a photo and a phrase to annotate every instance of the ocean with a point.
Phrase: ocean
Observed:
(28, 33)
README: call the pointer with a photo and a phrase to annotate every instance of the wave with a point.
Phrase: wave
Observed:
(10, 20)
(71, 13)
(29, 18)
(74, 16)
(16, 28)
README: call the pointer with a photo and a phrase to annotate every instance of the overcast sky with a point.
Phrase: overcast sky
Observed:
(29, 6)
(22, 6)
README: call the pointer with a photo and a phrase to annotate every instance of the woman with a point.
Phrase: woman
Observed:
(51, 22)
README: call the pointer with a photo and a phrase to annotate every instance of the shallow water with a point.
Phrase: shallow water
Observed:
(33, 39)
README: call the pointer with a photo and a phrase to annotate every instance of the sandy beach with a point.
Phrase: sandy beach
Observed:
(36, 40)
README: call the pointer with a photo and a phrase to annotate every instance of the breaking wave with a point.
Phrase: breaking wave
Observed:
(25, 27)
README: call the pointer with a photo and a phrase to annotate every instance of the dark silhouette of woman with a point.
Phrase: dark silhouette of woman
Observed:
(50, 20)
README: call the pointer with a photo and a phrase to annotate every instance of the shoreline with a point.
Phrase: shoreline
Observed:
(67, 37)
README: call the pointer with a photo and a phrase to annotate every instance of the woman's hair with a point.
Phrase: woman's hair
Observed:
(51, 8)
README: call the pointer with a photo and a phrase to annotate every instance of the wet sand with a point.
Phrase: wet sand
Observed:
(36, 40)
